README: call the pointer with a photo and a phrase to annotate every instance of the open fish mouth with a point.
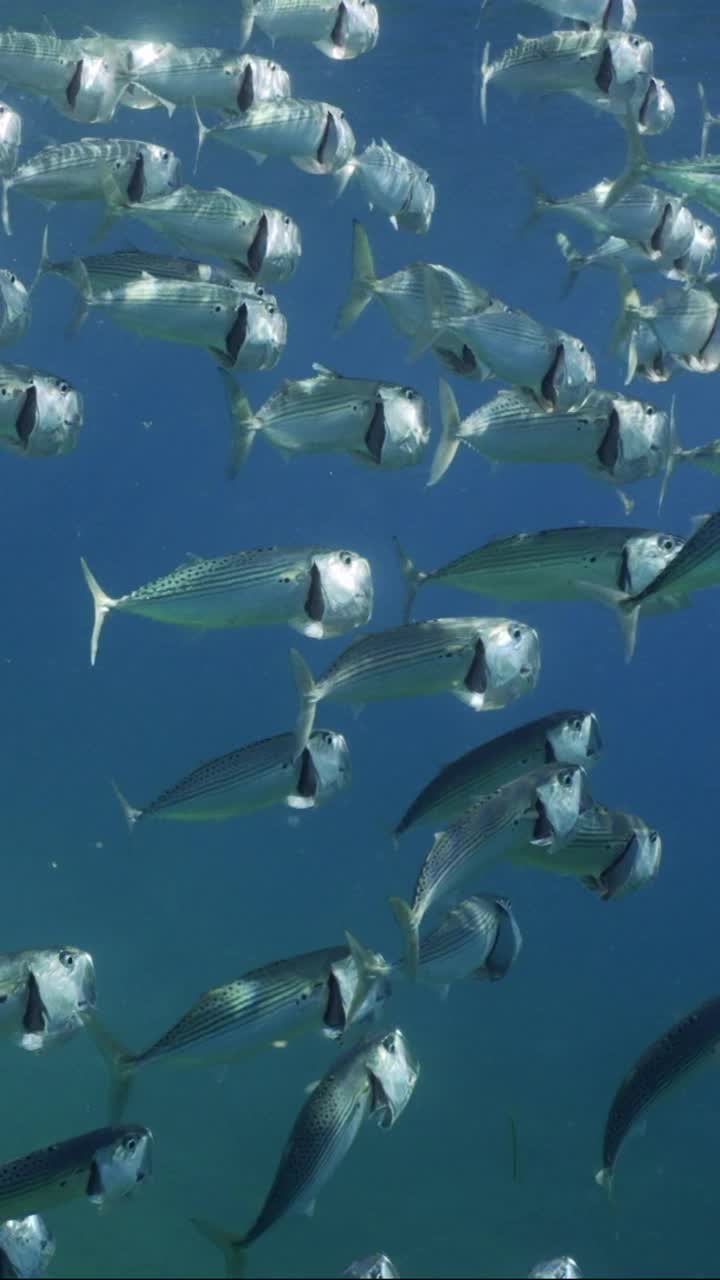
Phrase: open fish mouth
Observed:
(246, 92)
(136, 182)
(334, 1016)
(376, 433)
(477, 676)
(237, 336)
(257, 252)
(27, 418)
(74, 85)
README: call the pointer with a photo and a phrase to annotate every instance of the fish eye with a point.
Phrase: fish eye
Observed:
(654, 837)
(67, 958)
(328, 739)
(260, 292)
(286, 220)
(667, 544)
(64, 387)
(581, 346)
(346, 557)
(576, 725)
(13, 279)
(566, 779)
(409, 393)
(649, 411)
(165, 155)
(217, 308)
(273, 66)
(130, 1144)
(271, 309)
(516, 633)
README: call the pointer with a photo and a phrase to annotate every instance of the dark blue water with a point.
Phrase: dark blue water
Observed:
(179, 908)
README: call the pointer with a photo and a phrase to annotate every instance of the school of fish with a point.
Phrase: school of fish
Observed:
(522, 796)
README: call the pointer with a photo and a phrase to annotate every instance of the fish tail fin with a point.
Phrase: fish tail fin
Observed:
(672, 457)
(413, 577)
(484, 78)
(708, 120)
(635, 163)
(408, 923)
(121, 1064)
(625, 608)
(244, 22)
(342, 176)
(244, 424)
(626, 322)
(130, 813)
(308, 694)
(450, 433)
(230, 1245)
(6, 207)
(203, 130)
(363, 279)
(539, 197)
(103, 604)
(81, 280)
(369, 965)
(574, 258)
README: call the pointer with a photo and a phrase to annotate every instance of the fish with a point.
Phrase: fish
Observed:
(552, 366)
(392, 183)
(46, 995)
(684, 322)
(325, 991)
(541, 807)
(40, 413)
(648, 217)
(377, 1267)
(611, 852)
(375, 1079)
(479, 938)
(341, 29)
(131, 58)
(696, 565)
(688, 1044)
(616, 438)
(10, 139)
(124, 266)
(27, 1247)
(547, 565)
(218, 317)
(253, 777)
(613, 15)
(40, 63)
(94, 91)
(687, 268)
(378, 423)
(405, 298)
(314, 136)
(217, 79)
(563, 1268)
(562, 737)
(15, 309)
(316, 590)
(104, 1165)
(652, 106)
(260, 242)
(73, 171)
(485, 662)
(616, 64)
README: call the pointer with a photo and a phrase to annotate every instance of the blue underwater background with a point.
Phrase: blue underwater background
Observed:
(178, 908)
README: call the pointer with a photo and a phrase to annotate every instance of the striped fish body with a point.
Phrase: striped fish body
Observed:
(191, 311)
(686, 1045)
(613, 15)
(220, 79)
(696, 565)
(558, 62)
(63, 1172)
(325, 412)
(127, 266)
(261, 241)
(477, 939)
(248, 588)
(10, 139)
(41, 63)
(308, 20)
(639, 215)
(566, 737)
(395, 184)
(600, 838)
(321, 1137)
(542, 566)
(404, 295)
(277, 1000)
(314, 135)
(253, 777)
(512, 428)
(684, 321)
(445, 655)
(73, 170)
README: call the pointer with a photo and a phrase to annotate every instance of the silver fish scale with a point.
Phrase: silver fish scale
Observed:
(110, 270)
(464, 925)
(698, 552)
(86, 153)
(215, 205)
(261, 996)
(320, 396)
(415, 645)
(265, 117)
(240, 568)
(485, 820)
(249, 763)
(522, 551)
(53, 1174)
(322, 1134)
(558, 45)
